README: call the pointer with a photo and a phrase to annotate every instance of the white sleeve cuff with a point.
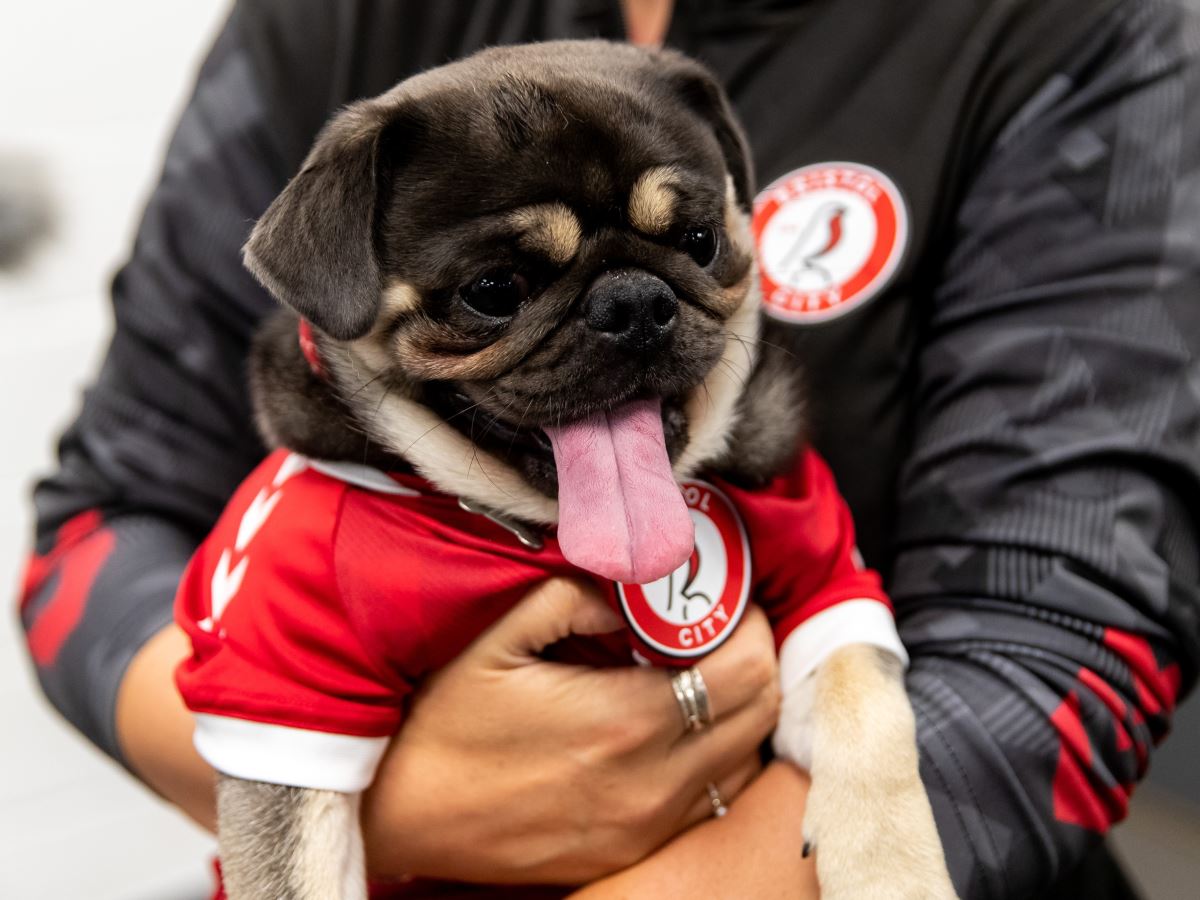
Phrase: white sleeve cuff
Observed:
(277, 754)
(851, 622)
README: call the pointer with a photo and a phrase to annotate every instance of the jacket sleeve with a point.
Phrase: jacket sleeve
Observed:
(165, 432)
(1046, 573)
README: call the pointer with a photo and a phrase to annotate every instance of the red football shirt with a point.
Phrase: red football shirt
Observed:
(327, 591)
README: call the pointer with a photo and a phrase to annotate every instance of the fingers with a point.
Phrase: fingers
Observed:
(733, 737)
(735, 674)
(556, 608)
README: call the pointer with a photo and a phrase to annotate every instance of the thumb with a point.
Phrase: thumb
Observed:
(550, 612)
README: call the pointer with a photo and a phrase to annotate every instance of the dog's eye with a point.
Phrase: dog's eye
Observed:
(700, 243)
(496, 294)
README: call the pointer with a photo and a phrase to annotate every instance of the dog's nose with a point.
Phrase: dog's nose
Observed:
(637, 309)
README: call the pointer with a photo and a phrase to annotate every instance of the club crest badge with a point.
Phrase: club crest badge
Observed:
(829, 236)
(693, 610)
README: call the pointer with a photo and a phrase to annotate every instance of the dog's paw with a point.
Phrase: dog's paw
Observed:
(868, 818)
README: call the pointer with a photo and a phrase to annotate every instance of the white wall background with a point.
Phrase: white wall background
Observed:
(91, 91)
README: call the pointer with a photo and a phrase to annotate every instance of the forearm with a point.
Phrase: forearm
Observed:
(1045, 579)
(1032, 738)
(154, 729)
(95, 592)
(753, 851)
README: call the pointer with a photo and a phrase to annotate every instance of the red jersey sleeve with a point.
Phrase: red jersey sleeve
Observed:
(808, 574)
(281, 686)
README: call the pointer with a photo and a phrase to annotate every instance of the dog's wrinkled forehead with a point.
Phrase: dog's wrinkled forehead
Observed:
(544, 160)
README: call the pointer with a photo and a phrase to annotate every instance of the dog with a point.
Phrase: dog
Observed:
(528, 277)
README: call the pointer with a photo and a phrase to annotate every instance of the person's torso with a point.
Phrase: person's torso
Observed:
(865, 120)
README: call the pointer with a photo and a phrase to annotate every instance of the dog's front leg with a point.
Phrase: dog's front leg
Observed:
(868, 817)
(287, 843)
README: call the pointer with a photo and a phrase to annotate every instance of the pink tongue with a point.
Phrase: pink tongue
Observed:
(620, 512)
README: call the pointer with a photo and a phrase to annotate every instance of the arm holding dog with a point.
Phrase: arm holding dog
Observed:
(1046, 579)
(419, 793)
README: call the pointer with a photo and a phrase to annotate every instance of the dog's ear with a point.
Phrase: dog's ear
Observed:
(314, 248)
(700, 92)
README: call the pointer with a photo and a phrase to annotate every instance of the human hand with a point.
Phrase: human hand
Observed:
(516, 770)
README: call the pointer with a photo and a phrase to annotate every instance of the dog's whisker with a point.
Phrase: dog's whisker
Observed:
(495, 418)
(444, 421)
(474, 447)
(520, 422)
(765, 343)
(366, 384)
(740, 377)
(366, 434)
(488, 476)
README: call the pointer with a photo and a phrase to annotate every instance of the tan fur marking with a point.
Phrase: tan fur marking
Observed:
(652, 200)
(411, 349)
(399, 298)
(712, 407)
(731, 298)
(550, 229)
(486, 363)
(737, 231)
(737, 222)
(423, 347)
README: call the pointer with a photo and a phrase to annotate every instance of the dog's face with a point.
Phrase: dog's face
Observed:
(525, 238)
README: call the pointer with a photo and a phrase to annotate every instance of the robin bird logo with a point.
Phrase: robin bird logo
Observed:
(816, 239)
(684, 591)
(692, 610)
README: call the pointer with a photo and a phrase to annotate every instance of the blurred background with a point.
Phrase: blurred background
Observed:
(88, 96)
(89, 93)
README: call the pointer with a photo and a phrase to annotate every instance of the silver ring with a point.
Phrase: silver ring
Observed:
(719, 806)
(691, 693)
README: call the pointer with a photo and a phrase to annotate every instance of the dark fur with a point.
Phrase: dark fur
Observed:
(770, 421)
(296, 408)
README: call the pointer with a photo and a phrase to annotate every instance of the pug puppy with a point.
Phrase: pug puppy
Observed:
(504, 261)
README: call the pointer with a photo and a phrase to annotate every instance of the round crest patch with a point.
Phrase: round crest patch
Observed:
(829, 238)
(694, 609)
